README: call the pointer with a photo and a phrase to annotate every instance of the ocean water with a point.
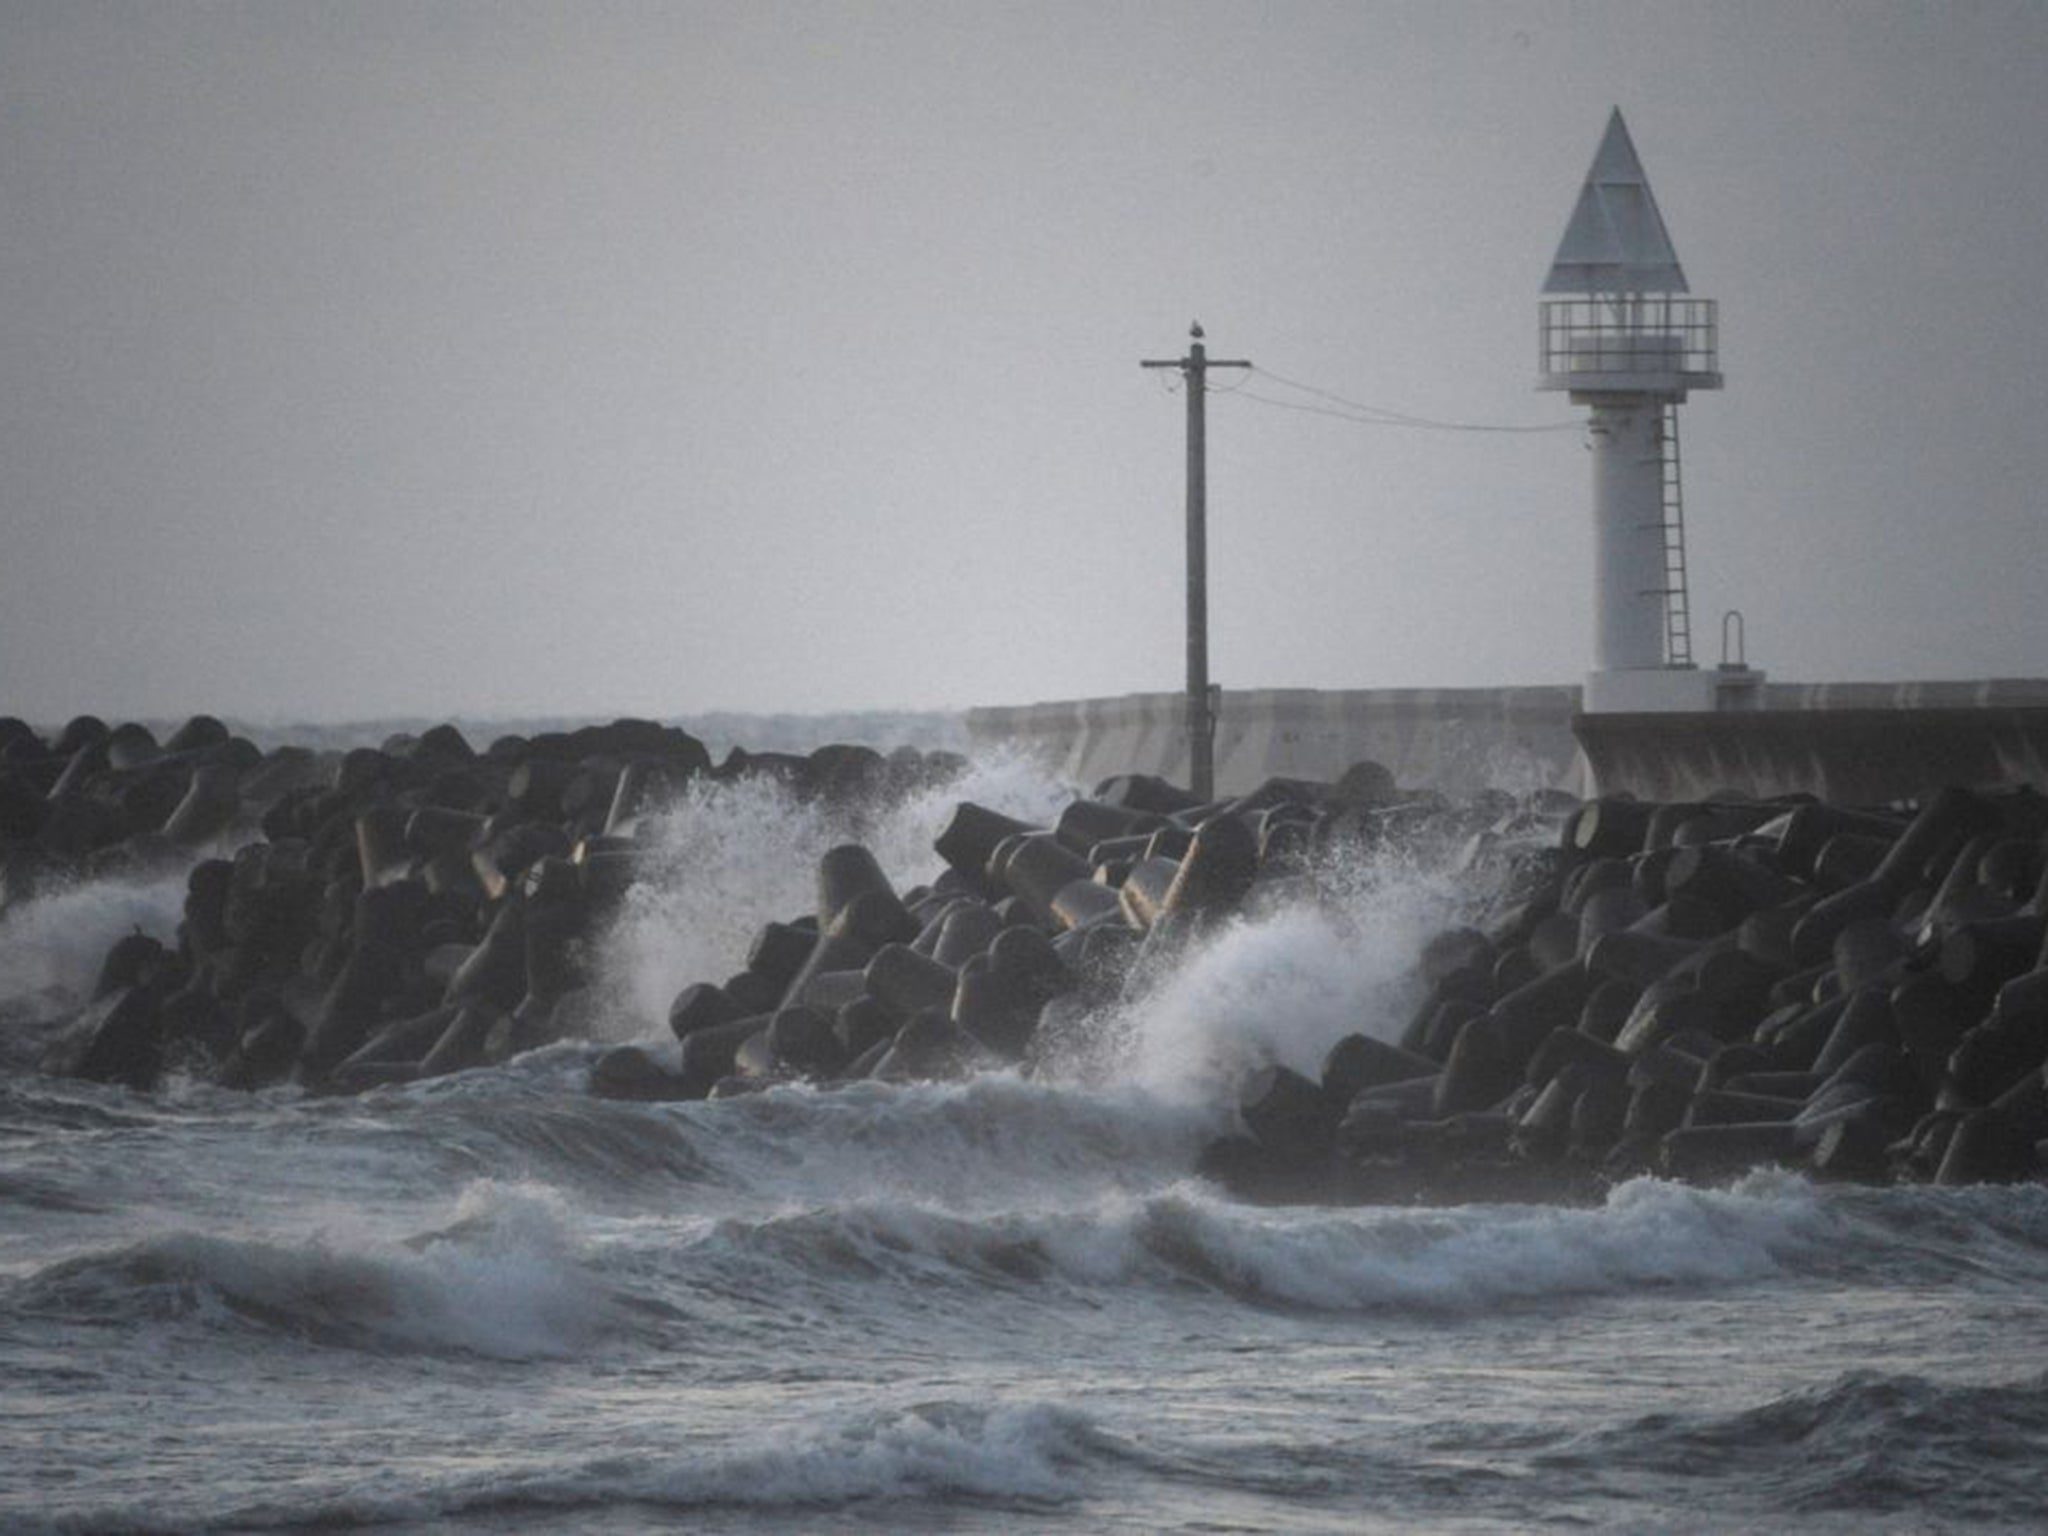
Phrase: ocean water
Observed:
(492, 1302)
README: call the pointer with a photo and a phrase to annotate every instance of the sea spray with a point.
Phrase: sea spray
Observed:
(1281, 988)
(56, 940)
(731, 857)
(1282, 984)
(992, 1141)
(493, 1301)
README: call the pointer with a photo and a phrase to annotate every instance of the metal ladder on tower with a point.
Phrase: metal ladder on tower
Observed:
(1677, 605)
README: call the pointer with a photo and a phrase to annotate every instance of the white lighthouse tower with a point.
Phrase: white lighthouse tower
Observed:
(1630, 345)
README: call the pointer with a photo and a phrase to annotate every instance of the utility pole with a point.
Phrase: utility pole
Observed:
(1201, 721)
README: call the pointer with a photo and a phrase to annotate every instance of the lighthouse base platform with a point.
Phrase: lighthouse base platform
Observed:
(1685, 690)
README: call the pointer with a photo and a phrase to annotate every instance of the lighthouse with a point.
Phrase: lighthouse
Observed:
(1619, 330)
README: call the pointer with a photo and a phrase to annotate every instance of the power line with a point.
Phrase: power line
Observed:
(1359, 413)
(1320, 410)
(1379, 412)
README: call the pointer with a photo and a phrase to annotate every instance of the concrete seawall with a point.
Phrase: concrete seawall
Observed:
(1458, 739)
(1845, 756)
(1863, 742)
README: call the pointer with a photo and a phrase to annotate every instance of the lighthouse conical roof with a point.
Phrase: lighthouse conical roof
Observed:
(1616, 241)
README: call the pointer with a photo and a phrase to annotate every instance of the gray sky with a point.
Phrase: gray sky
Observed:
(365, 359)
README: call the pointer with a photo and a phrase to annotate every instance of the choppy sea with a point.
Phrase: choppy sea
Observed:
(492, 1302)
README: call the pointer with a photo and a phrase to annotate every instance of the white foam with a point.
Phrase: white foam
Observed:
(939, 1449)
(733, 857)
(1026, 1450)
(57, 940)
(505, 1279)
(1478, 1258)
(1283, 987)
(502, 1279)
(1462, 1260)
(1005, 1452)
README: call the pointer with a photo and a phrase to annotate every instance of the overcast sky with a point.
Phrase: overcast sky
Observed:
(373, 359)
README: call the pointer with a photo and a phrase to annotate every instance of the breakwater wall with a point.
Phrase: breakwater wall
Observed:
(1851, 742)
(1691, 988)
(379, 915)
(1459, 740)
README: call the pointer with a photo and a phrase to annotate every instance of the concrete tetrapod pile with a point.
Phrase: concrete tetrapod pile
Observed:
(1024, 936)
(1686, 989)
(387, 913)
(1700, 989)
(1691, 989)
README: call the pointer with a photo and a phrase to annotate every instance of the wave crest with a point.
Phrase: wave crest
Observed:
(1867, 1442)
(1459, 1261)
(502, 1280)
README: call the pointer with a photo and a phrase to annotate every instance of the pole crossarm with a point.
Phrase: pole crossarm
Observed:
(1201, 703)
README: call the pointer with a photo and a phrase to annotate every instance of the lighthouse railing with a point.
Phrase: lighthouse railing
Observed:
(1633, 335)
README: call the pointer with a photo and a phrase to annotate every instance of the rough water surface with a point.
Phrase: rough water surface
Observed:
(493, 1302)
